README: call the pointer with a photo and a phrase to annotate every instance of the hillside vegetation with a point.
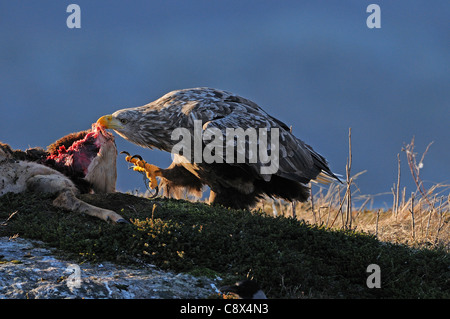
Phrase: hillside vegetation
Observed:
(288, 257)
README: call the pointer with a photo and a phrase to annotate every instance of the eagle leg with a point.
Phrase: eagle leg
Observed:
(140, 165)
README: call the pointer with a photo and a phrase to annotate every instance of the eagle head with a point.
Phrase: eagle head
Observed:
(124, 122)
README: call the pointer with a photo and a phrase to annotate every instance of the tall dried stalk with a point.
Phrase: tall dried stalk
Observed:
(403, 197)
(421, 219)
(441, 222)
(415, 167)
(312, 205)
(348, 221)
(397, 194)
(347, 196)
(293, 209)
(429, 218)
(376, 223)
(412, 217)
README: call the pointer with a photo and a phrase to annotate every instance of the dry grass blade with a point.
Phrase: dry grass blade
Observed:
(423, 219)
(416, 167)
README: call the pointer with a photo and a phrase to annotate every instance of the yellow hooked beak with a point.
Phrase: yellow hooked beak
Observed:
(107, 121)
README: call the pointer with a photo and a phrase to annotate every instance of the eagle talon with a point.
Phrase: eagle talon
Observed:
(142, 166)
(128, 156)
(139, 157)
(156, 192)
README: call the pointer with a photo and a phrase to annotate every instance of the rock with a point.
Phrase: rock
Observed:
(29, 270)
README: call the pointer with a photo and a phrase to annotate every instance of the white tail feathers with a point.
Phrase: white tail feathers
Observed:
(324, 178)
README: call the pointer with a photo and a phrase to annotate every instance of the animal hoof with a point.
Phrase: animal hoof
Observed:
(122, 221)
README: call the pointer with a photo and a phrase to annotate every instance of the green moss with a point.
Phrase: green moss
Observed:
(288, 258)
(203, 271)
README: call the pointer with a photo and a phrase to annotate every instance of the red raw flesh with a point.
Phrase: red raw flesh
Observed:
(81, 153)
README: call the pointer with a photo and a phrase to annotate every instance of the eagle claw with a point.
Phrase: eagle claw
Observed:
(142, 166)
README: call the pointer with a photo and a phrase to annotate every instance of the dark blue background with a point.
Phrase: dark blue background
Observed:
(313, 64)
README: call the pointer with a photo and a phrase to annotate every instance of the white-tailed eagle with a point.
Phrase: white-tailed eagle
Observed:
(238, 169)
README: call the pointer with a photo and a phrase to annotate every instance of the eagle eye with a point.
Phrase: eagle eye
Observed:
(123, 121)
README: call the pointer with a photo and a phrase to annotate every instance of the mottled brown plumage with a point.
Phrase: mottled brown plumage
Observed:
(235, 184)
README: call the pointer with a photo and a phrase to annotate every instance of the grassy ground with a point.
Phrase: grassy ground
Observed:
(288, 257)
(417, 221)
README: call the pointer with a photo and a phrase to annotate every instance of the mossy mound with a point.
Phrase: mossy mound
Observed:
(289, 258)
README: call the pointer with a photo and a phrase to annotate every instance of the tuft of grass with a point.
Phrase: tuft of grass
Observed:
(288, 257)
(422, 220)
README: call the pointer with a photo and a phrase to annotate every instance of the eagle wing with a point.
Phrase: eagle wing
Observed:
(297, 160)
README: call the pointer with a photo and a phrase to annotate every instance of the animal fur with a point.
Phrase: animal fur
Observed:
(22, 171)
